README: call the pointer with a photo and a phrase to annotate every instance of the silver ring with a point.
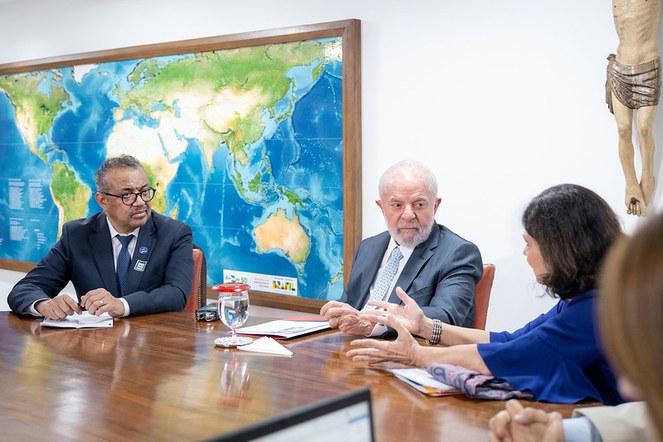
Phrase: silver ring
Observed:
(101, 301)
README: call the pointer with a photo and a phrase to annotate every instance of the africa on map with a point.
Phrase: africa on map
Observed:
(244, 145)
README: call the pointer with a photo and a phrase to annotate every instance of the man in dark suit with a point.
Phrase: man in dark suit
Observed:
(126, 260)
(436, 267)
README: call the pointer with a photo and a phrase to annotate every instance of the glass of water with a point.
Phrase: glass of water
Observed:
(233, 311)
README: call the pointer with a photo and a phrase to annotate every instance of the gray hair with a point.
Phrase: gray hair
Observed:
(122, 161)
(412, 166)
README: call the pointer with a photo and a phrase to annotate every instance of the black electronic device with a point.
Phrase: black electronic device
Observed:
(208, 313)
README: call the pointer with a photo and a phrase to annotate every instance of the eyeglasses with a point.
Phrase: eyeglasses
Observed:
(130, 197)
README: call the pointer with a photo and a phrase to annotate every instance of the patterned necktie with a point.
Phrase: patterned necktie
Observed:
(123, 262)
(383, 283)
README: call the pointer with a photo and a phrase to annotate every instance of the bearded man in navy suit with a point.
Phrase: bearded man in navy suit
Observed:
(159, 264)
(438, 268)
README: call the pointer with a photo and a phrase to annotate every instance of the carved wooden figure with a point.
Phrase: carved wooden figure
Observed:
(633, 88)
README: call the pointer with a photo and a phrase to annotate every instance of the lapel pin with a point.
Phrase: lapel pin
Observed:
(140, 265)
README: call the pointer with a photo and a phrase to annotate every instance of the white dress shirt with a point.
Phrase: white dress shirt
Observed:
(117, 246)
(380, 329)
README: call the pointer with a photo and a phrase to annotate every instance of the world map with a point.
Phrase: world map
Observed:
(244, 145)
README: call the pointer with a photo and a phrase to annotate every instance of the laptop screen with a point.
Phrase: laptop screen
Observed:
(346, 417)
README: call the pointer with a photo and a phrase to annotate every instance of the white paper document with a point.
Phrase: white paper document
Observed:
(84, 320)
(284, 328)
(424, 382)
(266, 345)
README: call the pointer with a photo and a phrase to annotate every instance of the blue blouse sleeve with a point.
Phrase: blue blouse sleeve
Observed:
(556, 356)
(506, 336)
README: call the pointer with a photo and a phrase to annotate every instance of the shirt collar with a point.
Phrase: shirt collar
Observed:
(114, 232)
(405, 250)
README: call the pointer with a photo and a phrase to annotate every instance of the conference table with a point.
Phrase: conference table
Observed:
(160, 377)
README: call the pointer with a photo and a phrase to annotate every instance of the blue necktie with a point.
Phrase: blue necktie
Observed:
(383, 283)
(123, 262)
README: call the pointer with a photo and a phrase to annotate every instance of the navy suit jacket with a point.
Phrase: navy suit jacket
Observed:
(440, 276)
(161, 272)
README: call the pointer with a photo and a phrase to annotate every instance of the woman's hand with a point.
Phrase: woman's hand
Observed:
(409, 313)
(404, 349)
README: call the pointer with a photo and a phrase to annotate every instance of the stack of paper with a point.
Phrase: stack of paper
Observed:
(286, 328)
(424, 382)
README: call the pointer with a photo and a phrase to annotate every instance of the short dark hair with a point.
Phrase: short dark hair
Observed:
(575, 229)
(122, 161)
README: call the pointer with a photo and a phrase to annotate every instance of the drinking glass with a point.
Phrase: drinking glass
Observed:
(233, 311)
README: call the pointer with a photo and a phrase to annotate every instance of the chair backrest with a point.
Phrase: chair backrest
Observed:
(198, 295)
(482, 296)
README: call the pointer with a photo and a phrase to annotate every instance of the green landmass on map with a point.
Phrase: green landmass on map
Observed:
(35, 111)
(246, 81)
(69, 193)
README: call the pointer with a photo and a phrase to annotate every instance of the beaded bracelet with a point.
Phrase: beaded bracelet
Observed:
(437, 333)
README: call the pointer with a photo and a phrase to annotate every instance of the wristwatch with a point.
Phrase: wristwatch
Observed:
(437, 333)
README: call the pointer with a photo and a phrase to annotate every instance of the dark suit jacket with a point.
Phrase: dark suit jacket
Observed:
(84, 256)
(441, 275)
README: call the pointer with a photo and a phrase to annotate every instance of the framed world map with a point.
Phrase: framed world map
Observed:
(253, 140)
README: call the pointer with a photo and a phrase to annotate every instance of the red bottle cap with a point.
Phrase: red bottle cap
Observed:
(231, 287)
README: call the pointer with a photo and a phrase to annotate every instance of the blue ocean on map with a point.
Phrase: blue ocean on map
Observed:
(317, 148)
(300, 154)
(33, 224)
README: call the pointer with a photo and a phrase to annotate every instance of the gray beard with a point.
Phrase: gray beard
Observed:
(422, 235)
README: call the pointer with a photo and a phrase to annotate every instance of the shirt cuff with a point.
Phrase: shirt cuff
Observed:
(580, 429)
(33, 311)
(126, 307)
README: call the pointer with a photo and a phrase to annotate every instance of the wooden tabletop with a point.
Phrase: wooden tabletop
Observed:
(160, 377)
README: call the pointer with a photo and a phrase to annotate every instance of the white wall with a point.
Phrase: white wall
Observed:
(7, 280)
(501, 98)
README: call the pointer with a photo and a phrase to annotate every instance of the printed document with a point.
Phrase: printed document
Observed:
(84, 320)
(286, 328)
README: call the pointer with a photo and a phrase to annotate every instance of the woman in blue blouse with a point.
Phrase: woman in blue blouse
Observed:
(556, 357)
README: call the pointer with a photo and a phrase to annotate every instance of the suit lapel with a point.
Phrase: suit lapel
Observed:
(141, 256)
(420, 256)
(102, 249)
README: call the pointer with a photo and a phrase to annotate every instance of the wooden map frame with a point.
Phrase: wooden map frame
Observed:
(348, 30)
